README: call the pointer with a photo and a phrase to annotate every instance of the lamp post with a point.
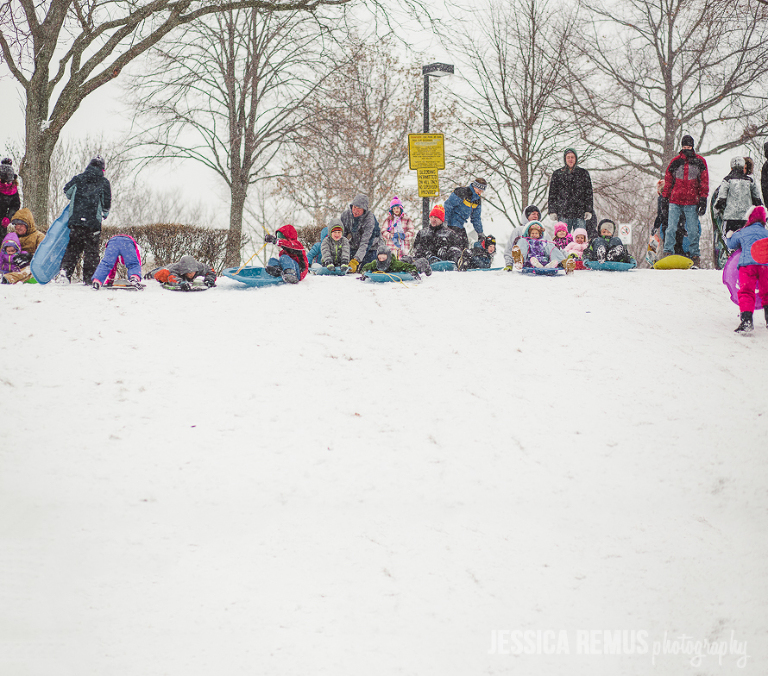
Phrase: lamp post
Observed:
(432, 70)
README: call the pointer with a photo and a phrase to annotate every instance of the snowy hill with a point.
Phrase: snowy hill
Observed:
(354, 479)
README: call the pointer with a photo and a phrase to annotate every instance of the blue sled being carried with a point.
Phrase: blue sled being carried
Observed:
(46, 262)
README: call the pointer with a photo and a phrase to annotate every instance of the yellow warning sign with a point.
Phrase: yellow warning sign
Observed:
(426, 151)
(429, 185)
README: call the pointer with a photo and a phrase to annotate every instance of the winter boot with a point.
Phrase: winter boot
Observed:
(696, 261)
(464, 260)
(289, 276)
(746, 325)
(570, 265)
(765, 309)
(274, 270)
(517, 256)
(96, 284)
(61, 278)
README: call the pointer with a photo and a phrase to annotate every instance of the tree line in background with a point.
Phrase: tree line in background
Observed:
(294, 107)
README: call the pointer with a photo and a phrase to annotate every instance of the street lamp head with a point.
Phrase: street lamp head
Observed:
(437, 69)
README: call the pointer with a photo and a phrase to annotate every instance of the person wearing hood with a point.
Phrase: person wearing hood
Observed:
(736, 195)
(12, 259)
(291, 263)
(397, 229)
(437, 242)
(570, 193)
(464, 204)
(362, 228)
(23, 224)
(752, 275)
(120, 249)
(386, 262)
(607, 246)
(10, 202)
(183, 272)
(578, 245)
(533, 251)
(335, 248)
(686, 190)
(90, 195)
(314, 255)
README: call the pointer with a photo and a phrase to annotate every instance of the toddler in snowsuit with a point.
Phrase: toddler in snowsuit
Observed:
(120, 249)
(386, 262)
(607, 247)
(183, 272)
(12, 258)
(562, 237)
(751, 273)
(577, 246)
(335, 250)
(532, 251)
(291, 263)
(480, 256)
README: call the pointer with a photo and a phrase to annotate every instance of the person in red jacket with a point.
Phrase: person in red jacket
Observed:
(292, 264)
(686, 189)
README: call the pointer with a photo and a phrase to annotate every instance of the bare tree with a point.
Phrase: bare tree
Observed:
(228, 94)
(644, 72)
(356, 138)
(511, 125)
(60, 51)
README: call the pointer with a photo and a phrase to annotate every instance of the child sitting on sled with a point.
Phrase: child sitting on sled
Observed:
(120, 249)
(291, 263)
(751, 273)
(12, 258)
(562, 237)
(480, 256)
(386, 262)
(532, 251)
(607, 247)
(577, 246)
(183, 272)
(335, 250)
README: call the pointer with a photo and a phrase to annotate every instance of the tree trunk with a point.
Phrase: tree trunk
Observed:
(238, 192)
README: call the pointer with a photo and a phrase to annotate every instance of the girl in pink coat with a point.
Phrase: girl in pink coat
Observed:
(579, 243)
(397, 229)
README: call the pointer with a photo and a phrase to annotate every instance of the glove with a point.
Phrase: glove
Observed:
(702, 206)
(720, 205)
(553, 216)
(344, 269)
(184, 285)
(331, 267)
(210, 279)
(270, 239)
(22, 259)
(415, 275)
(509, 268)
(353, 264)
(729, 234)
(587, 216)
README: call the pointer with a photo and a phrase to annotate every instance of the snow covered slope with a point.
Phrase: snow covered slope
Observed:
(354, 479)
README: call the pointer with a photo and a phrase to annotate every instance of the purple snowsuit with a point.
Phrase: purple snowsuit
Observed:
(120, 249)
(8, 262)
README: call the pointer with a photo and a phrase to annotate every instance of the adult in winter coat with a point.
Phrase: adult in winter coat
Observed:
(23, 224)
(91, 199)
(334, 250)
(10, 202)
(397, 229)
(530, 213)
(292, 263)
(736, 195)
(686, 189)
(362, 228)
(183, 272)
(120, 249)
(570, 193)
(464, 204)
(751, 273)
(438, 242)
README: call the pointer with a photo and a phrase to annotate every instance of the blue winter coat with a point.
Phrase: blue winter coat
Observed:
(314, 254)
(463, 204)
(744, 239)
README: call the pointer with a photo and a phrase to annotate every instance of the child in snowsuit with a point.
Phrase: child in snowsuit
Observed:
(532, 251)
(314, 255)
(480, 256)
(23, 224)
(12, 258)
(397, 229)
(607, 247)
(10, 202)
(562, 237)
(183, 272)
(335, 248)
(751, 273)
(386, 262)
(577, 246)
(120, 249)
(291, 263)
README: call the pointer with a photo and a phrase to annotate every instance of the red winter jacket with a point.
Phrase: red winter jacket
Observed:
(291, 246)
(686, 180)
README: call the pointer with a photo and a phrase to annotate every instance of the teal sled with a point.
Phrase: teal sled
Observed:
(252, 276)
(46, 262)
(325, 271)
(545, 272)
(382, 277)
(443, 266)
(610, 265)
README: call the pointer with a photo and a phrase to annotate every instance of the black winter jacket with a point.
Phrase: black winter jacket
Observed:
(92, 199)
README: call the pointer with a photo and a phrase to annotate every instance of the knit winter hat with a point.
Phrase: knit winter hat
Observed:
(606, 222)
(570, 150)
(480, 184)
(560, 227)
(488, 241)
(395, 203)
(580, 231)
(530, 209)
(438, 211)
(6, 171)
(336, 224)
(687, 141)
(756, 214)
(99, 162)
(532, 225)
(738, 163)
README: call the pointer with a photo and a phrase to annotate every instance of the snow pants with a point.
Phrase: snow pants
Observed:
(85, 243)
(750, 277)
(285, 263)
(119, 249)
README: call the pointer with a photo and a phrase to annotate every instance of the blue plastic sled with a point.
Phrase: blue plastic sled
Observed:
(325, 271)
(443, 266)
(381, 277)
(484, 269)
(252, 276)
(547, 272)
(46, 262)
(610, 265)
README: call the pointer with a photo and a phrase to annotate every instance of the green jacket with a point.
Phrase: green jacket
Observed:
(395, 265)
